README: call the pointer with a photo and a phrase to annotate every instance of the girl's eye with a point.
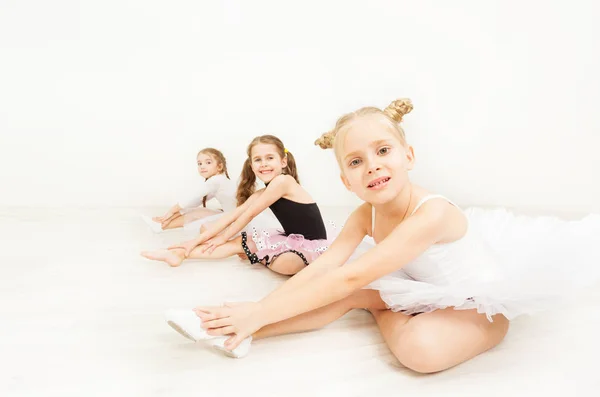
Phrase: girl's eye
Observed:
(354, 163)
(384, 150)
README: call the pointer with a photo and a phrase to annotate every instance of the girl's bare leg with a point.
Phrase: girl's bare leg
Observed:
(439, 340)
(315, 319)
(174, 257)
(178, 220)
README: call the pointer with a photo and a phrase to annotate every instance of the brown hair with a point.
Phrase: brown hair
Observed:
(246, 187)
(393, 114)
(219, 158)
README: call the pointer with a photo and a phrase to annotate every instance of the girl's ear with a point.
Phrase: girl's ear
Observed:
(345, 182)
(410, 157)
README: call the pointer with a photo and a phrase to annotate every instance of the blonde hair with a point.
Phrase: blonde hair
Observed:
(247, 184)
(393, 113)
(219, 158)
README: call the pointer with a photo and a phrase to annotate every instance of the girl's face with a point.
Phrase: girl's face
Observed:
(207, 166)
(266, 162)
(373, 160)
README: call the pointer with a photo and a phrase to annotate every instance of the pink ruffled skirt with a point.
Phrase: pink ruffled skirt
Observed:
(272, 242)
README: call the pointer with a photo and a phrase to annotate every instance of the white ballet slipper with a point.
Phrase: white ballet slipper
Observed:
(239, 352)
(187, 323)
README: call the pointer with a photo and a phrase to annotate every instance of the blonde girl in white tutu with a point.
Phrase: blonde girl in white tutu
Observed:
(441, 283)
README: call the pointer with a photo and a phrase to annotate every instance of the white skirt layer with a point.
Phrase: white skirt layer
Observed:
(544, 262)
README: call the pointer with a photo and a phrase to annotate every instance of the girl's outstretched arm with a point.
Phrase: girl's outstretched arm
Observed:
(192, 200)
(226, 220)
(232, 223)
(170, 214)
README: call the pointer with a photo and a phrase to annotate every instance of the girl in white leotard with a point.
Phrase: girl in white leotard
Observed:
(190, 212)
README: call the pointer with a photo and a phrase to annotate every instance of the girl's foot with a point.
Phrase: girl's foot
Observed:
(156, 227)
(172, 257)
(188, 324)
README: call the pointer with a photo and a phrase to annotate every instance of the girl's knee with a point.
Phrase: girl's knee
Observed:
(423, 348)
(286, 269)
(287, 264)
(418, 349)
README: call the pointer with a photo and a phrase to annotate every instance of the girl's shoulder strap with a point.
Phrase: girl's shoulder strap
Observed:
(372, 220)
(419, 204)
(429, 197)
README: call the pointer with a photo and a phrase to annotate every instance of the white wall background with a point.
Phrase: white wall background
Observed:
(105, 103)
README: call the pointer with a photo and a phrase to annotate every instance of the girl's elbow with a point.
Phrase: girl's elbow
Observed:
(353, 280)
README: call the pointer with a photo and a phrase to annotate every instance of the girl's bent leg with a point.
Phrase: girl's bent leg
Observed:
(439, 340)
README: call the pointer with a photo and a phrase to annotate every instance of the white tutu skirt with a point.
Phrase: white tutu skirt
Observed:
(541, 262)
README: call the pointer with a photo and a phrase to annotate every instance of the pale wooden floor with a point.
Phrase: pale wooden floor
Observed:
(81, 315)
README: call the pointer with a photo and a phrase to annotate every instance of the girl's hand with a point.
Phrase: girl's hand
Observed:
(187, 246)
(241, 319)
(213, 243)
(165, 219)
(169, 215)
